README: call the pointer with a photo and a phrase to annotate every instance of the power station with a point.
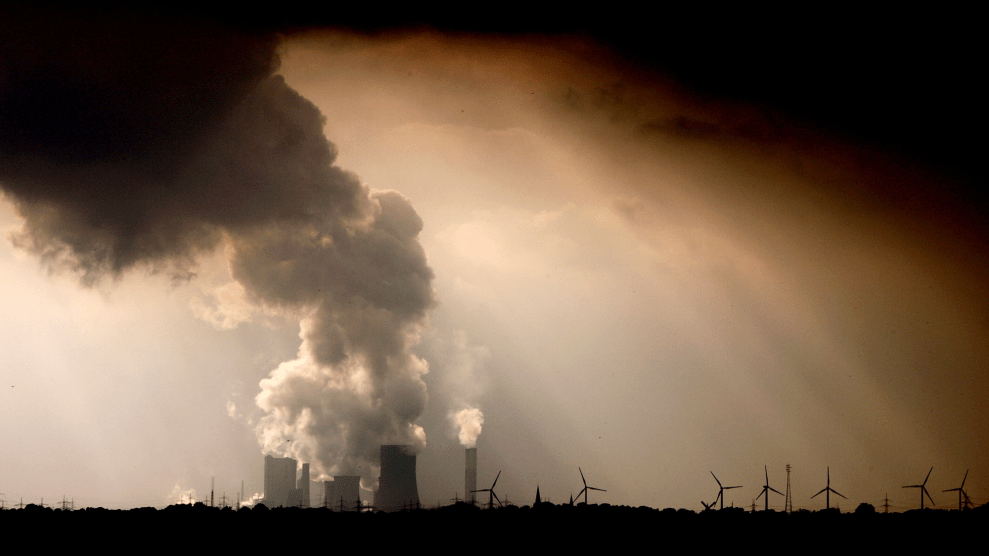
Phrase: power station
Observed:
(397, 487)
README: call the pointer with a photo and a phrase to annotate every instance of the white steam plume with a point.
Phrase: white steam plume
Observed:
(469, 421)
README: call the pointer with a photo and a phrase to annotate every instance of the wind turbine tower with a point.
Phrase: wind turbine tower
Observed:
(829, 490)
(721, 490)
(491, 493)
(923, 489)
(961, 493)
(586, 488)
(765, 490)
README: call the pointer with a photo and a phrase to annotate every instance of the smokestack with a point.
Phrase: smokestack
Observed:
(397, 488)
(470, 474)
(303, 485)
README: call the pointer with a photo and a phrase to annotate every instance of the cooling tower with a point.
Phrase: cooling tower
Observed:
(470, 475)
(397, 488)
(329, 498)
(342, 493)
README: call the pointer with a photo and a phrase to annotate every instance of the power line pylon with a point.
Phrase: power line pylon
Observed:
(886, 504)
(788, 505)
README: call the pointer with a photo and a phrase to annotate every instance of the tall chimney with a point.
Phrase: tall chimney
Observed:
(303, 485)
(397, 488)
(470, 474)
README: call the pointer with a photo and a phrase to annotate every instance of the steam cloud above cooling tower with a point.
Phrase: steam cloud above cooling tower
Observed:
(468, 421)
(131, 145)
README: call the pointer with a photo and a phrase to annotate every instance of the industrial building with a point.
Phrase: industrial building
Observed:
(279, 481)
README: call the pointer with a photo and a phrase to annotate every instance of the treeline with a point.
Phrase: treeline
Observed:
(546, 526)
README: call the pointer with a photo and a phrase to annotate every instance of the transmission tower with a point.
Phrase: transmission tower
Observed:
(788, 505)
(886, 504)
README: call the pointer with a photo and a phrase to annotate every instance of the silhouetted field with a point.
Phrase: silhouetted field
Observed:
(547, 526)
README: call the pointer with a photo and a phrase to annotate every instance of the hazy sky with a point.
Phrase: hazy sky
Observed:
(625, 274)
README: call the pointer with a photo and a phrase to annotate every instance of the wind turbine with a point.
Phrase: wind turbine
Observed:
(586, 488)
(491, 493)
(829, 490)
(721, 490)
(923, 489)
(767, 488)
(961, 492)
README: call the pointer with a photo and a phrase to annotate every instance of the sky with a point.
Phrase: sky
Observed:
(225, 243)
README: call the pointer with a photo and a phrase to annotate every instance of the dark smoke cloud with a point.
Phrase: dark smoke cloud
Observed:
(137, 144)
(117, 142)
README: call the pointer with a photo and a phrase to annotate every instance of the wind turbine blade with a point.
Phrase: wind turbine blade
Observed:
(760, 494)
(839, 494)
(822, 491)
(776, 491)
(581, 492)
(963, 479)
(924, 491)
(598, 489)
(496, 480)
(496, 498)
(582, 478)
(715, 478)
(739, 486)
(928, 475)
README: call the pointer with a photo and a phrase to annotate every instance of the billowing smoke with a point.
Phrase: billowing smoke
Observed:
(142, 145)
(468, 421)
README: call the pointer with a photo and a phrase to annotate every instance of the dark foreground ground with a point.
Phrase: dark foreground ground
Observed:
(546, 527)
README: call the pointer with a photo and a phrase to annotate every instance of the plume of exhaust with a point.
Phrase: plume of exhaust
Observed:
(205, 146)
(468, 422)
